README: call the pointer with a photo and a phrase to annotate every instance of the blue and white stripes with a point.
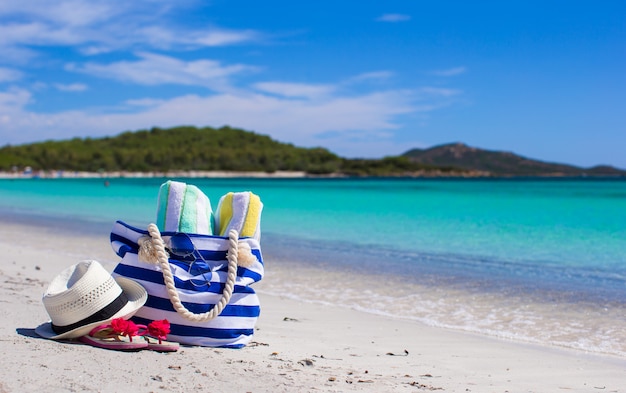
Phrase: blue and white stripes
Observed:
(199, 286)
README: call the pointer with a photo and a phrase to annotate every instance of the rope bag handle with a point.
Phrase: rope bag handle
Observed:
(163, 261)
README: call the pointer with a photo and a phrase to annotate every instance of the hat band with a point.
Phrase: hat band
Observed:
(104, 314)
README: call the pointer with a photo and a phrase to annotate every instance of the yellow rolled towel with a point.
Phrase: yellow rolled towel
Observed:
(240, 211)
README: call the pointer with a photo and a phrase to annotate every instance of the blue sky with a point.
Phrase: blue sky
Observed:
(544, 79)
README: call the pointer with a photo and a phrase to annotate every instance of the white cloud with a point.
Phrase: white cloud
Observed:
(375, 75)
(95, 50)
(297, 121)
(38, 33)
(17, 56)
(450, 71)
(21, 33)
(102, 26)
(70, 12)
(12, 103)
(438, 91)
(13, 100)
(146, 102)
(9, 74)
(393, 18)
(155, 69)
(219, 37)
(71, 87)
(80, 13)
(318, 91)
(295, 89)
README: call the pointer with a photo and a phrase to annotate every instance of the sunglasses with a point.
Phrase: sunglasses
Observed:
(182, 249)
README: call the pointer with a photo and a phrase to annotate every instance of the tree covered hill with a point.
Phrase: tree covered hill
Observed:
(500, 163)
(198, 149)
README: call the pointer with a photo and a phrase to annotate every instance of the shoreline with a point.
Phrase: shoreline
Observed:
(60, 174)
(298, 346)
(53, 174)
(423, 174)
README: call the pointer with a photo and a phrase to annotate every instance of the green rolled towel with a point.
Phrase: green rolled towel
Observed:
(184, 208)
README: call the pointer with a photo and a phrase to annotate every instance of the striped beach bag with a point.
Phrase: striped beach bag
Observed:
(199, 283)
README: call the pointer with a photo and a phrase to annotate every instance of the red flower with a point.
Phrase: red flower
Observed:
(159, 329)
(124, 327)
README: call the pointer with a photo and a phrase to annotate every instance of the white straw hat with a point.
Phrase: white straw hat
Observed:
(84, 296)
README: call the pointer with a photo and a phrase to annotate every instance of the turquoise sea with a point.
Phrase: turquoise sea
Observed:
(533, 260)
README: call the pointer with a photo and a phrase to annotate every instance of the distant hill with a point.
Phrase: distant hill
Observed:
(180, 148)
(500, 163)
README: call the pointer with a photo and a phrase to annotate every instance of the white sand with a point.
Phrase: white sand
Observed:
(298, 347)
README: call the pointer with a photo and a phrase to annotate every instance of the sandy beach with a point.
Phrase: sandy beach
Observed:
(298, 346)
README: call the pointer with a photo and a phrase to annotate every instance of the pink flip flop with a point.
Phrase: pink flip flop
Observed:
(155, 334)
(118, 335)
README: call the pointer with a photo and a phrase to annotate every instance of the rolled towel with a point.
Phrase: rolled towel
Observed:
(184, 208)
(240, 211)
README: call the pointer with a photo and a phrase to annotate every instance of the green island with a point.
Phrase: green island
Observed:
(226, 149)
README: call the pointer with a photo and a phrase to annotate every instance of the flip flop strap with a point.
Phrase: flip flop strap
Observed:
(106, 331)
(168, 278)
